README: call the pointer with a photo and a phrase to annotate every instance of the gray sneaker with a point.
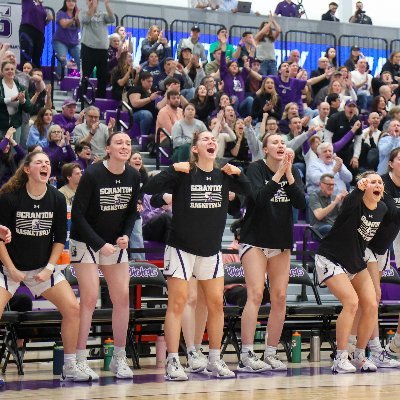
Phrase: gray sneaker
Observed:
(275, 363)
(71, 372)
(119, 366)
(384, 360)
(83, 366)
(174, 371)
(197, 362)
(219, 369)
(249, 362)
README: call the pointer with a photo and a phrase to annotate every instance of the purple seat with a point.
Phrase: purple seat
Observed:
(157, 255)
(311, 246)
(108, 93)
(143, 140)
(298, 231)
(69, 83)
(124, 116)
(106, 104)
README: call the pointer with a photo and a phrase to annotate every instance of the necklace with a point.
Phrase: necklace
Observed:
(39, 197)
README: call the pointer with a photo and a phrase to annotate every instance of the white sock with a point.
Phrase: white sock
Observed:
(214, 355)
(69, 358)
(270, 351)
(171, 356)
(197, 347)
(352, 340)
(119, 351)
(375, 345)
(397, 339)
(191, 348)
(81, 354)
(246, 348)
(359, 353)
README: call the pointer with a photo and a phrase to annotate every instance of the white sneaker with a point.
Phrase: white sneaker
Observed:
(249, 362)
(174, 371)
(219, 369)
(83, 366)
(71, 372)
(1, 381)
(392, 349)
(275, 363)
(342, 365)
(119, 366)
(197, 362)
(383, 360)
(364, 364)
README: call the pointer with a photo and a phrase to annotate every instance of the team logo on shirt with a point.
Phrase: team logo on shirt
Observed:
(115, 198)
(33, 223)
(205, 196)
(280, 196)
(397, 201)
(367, 229)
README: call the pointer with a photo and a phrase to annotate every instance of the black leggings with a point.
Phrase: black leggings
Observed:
(31, 43)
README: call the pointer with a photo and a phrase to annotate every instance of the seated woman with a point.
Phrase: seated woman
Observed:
(291, 110)
(238, 151)
(126, 39)
(203, 102)
(266, 101)
(114, 51)
(192, 66)
(338, 88)
(83, 152)
(39, 130)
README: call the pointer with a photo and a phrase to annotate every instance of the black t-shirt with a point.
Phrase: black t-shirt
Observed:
(143, 95)
(268, 221)
(199, 206)
(354, 227)
(116, 90)
(104, 206)
(35, 226)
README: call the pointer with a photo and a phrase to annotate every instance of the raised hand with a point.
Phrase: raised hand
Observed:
(230, 169)
(182, 167)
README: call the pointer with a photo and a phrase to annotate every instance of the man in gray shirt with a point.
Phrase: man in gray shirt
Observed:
(324, 208)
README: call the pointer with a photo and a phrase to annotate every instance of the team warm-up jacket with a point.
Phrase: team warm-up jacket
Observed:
(35, 226)
(104, 206)
(199, 206)
(268, 222)
(354, 227)
(390, 226)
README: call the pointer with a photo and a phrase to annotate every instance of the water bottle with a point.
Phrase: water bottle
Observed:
(389, 335)
(161, 351)
(315, 347)
(58, 358)
(108, 353)
(296, 347)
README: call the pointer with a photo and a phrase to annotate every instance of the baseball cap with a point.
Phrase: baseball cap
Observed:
(195, 28)
(69, 102)
(354, 48)
(186, 48)
(351, 102)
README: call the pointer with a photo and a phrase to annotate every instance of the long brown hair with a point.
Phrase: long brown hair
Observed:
(39, 123)
(274, 95)
(20, 178)
(194, 157)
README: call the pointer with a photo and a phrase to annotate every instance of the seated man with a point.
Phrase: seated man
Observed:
(324, 206)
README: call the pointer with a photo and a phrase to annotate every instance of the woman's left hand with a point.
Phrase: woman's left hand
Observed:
(230, 169)
(43, 276)
(123, 242)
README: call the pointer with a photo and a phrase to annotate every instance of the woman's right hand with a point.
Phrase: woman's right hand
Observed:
(182, 167)
(16, 275)
(107, 250)
(10, 132)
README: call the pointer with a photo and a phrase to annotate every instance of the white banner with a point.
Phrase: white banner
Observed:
(10, 20)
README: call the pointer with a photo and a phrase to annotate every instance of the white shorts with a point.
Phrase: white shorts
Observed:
(269, 253)
(326, 269)
(182, 265)
(37, 288)
(81, 253)
(383, 260)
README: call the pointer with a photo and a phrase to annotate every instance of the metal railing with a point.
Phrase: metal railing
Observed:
(160, 150)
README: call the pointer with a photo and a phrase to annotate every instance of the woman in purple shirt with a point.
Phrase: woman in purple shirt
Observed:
(31, 32)
(66, 37)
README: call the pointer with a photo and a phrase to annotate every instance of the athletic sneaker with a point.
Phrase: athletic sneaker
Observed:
(275, 363)
(342, 365)
(119, 366)
(174, 371)
(364, 364)
(71, 372)
(82, 365)
(392, 349)
(1, 381)
(197, 362)
(249, 362)
(383, 360)
(219, 369)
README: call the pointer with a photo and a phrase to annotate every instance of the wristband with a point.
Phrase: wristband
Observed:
(50, 267)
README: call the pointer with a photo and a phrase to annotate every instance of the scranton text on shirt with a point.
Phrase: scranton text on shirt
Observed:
(36, 215)
(116, 190)
(206, 188)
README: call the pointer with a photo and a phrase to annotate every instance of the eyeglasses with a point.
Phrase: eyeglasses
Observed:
(328, 184)
(56, 131)
(93, 116)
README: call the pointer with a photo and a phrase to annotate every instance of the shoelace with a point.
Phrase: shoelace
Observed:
(253, 355)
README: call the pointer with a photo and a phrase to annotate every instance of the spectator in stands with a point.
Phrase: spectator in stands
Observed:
(66, 37)
(193, 43)
(323, 67)
(155, 67)
(14, 99)
(359, 16)
(71, 173)
(323, 92)
(310, 150)
(228, 6)
(294, 57)
(245, 48)
(155, 41)
(31, 31)
(31, 256)
(266, 36)
(366, 154)
(83, 152)
(266, 101)
(27, 68)
(222, 100)
(330, 163)
(182, 133)
(59, 150)
(114, 52)
(384, 79)
(66, 119)
(333, 100)
(171, 84)
(286, 8)
(204, 103)
(11, 153)
(93, 131)
(94, 44)
(39, 92)
(230, 116)
(192, 66)
(212, 68)
(388, 142)
(223, 133)
(330, 14)
(379, 106)
(38, 133)
(237, 151)
(222, 35)
(126, 39)
(336, 87)
(355, 55)
(344, 126)
(330, 54)
(393, 65)
(362, 84)
(321, 119)
(324, 206)
(291, 110)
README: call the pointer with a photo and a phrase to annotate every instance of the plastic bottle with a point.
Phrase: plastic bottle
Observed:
(58, 358)
(296, 347)
(315, 347)
(108, 353)
(258, 333)
(390, 335)
(161, 351)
